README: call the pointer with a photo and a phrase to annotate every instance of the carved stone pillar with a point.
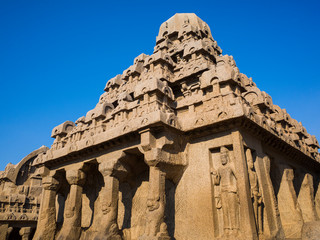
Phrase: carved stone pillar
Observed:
(109, 204)
(25, 233)
(10, 229)
(256, 195)
(290, 213)
(4, 231)
(155, 225)
(71, 228)
(154, 156)
(247, 223)
(317, 201)
(306, 199)
(46, 226)
(272, 224)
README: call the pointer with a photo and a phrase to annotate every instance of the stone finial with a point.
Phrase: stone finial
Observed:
(180, 22)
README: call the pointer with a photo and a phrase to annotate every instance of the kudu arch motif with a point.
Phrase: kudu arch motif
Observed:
(181, 145)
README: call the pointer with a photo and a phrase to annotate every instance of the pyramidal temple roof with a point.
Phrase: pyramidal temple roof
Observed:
(186, 84)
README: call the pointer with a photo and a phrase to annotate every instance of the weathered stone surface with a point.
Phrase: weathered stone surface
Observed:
(311, 231)
(182, 146)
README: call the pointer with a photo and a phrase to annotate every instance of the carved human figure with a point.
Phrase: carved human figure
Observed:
(225, 177)
(255, 193)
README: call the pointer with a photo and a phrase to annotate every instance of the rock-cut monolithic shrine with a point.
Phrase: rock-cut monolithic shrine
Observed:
(181, 146)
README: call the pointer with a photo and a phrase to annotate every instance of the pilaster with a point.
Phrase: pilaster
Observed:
(247, 223)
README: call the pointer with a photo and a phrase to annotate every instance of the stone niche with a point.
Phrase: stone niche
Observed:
(181, 146)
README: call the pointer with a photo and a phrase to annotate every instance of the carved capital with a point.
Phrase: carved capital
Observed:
(75, 177)
(25, 232)
(106, 168)
(158, 148)
(156, 156)
(110, 164)
(50, 183)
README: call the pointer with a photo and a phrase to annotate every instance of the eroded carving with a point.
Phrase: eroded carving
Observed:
(225, 178)
(256, 195)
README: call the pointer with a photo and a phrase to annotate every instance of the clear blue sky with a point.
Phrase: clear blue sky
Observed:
(56, 56)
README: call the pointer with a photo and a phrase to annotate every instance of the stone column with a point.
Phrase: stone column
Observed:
(306, 199)
(272, 223)
(46, 226)
(4, 231)
(10, 229)
(71, 227)
(108, 228)
(155, 227)
(25, 233)
(290, 213)
(317, 201)
(247, 223)
(155, 156)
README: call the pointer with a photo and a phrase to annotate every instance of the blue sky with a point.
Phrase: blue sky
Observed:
(56, 56)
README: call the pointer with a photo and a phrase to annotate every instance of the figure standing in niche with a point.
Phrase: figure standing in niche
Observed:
(255, 194)
(225, 177)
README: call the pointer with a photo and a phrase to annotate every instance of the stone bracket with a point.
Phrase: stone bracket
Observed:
(163, 149)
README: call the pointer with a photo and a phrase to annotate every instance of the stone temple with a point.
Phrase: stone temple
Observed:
(182, 146)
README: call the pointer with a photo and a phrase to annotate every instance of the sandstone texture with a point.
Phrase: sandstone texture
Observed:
(182, 146)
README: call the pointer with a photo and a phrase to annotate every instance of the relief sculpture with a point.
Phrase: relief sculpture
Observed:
(255, 192)
(225, 178)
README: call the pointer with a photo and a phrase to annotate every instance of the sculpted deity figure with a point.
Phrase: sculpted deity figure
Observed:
(225, 177)
(255, 194)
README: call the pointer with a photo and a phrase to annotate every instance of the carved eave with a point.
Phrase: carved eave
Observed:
(153, 119)
(191, 69)
(159, 57)
(125, 108)
(186, 30)
(299, 129)
(199, 46)
(258, 98)
(62, 129)
(272, 140)
(134, 71)
(312, 142)
(263, 134)
(151, 85)
(163, 46)
(99, 112)
(140, 58)
(113, 83)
